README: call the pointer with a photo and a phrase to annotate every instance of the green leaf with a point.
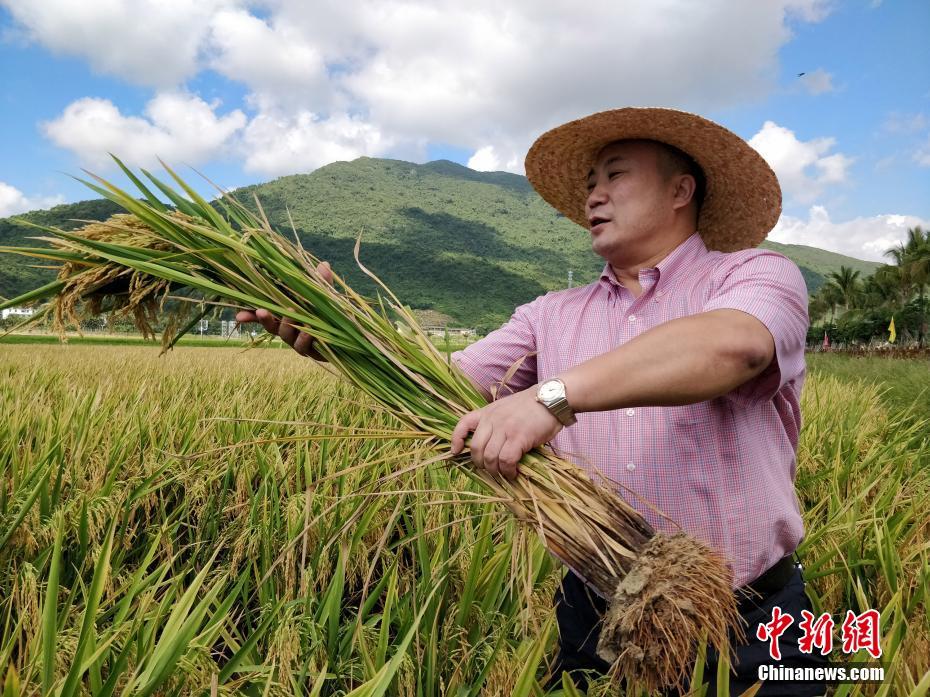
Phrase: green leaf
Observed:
(50, 612)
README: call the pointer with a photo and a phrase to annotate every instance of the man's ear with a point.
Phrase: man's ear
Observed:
(685, 186)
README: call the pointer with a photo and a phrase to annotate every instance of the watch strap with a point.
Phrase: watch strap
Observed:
(562, 411)
(559, 406)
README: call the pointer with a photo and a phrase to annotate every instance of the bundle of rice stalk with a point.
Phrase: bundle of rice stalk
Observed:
(666, 592)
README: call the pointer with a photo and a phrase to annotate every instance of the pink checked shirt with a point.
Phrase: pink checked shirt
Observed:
(723, 469)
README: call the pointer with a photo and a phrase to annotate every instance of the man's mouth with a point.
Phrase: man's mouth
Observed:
(595, 221)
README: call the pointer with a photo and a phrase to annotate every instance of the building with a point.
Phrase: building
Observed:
(17, 312)
(452, 331)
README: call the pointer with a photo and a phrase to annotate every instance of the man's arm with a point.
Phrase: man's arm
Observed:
(504, 361)
(686, 360)
(748, 342)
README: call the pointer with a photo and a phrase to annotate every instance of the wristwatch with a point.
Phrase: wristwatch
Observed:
(551, 394)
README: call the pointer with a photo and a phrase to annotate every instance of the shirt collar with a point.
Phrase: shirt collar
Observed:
(677, 261)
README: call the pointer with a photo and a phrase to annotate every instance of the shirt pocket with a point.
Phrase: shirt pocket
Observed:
(689, 414)
(692, 429)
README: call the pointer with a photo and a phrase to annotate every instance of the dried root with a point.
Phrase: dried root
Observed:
(676, 590)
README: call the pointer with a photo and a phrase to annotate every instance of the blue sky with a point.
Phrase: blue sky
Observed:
(249, 91)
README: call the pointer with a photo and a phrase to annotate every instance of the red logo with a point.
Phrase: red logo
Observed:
(861, 632)
(858, 632)
(817, 633)
(772, 630)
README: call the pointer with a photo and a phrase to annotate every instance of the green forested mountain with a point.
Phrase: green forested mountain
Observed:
(469, 244)
(18, 274)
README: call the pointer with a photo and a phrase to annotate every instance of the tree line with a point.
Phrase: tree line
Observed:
(854, 310)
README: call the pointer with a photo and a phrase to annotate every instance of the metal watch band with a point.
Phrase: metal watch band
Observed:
(559, 406)
(562, 411)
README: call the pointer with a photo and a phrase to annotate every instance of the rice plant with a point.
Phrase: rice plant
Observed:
(178, 525)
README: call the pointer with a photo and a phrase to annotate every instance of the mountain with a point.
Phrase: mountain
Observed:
(816, 264)
(19, 274)
(471, 245)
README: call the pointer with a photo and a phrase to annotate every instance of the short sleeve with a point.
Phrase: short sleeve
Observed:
(770, 287)
(511, 348)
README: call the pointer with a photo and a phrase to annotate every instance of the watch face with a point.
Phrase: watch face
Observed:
(550, 390)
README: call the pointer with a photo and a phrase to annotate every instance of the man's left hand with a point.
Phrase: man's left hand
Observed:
(505, 430)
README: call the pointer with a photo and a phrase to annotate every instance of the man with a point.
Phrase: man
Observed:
(676, 374)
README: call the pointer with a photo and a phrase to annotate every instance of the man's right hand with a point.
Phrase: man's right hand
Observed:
(290, 335)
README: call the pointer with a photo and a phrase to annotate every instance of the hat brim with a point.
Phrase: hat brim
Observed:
(742, 200)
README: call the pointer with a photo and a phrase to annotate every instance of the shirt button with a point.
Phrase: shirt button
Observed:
(631, 467)
(630, 412)
(632, 318)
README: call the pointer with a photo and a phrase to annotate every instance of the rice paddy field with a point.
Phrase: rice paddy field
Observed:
(217, 521)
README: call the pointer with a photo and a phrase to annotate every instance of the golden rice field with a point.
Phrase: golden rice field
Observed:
(217, 521)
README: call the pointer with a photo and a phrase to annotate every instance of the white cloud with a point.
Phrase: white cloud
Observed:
(472, 76)
(896, 122)
(818, 81)
(804, 168)
(922, 154)
(149, 42)
(488, 159)
(862, 238)
(488, 75)
(276, 60)
(277, 144)
(13, 201)
(177, 127)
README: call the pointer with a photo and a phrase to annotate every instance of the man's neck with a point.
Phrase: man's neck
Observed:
(627, 270)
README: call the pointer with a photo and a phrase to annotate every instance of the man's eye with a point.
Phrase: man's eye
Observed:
(611, 175)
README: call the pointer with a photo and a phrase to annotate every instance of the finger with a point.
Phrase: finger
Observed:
(492, 451)
(244, 316)
(324, 269)
(288, 332)
(479, 440)
(508, 458)
(303, 344)
(268, 321)
(465, 426)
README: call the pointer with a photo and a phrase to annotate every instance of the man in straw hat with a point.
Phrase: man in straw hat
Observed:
(676, 374)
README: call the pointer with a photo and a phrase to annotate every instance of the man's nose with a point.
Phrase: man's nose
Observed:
(596, 196)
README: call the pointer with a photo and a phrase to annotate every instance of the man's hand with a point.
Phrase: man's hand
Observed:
(505, 430)
(299, 341)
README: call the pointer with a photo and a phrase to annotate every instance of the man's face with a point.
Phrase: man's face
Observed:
(629, 201)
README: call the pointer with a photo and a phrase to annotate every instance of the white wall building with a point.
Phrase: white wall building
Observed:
(17, 312)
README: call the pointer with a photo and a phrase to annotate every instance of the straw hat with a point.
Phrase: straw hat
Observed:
(743, 199)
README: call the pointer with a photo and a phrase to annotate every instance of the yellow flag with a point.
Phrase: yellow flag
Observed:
(891, 331)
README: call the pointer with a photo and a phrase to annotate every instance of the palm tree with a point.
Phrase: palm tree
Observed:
(884, 288)
(829, 294)
(816, 307)
(913, 260)
(847, 282)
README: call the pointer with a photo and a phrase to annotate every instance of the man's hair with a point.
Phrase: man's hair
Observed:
(674, 161)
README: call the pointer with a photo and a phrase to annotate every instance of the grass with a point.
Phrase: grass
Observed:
(158, 539)
(131, 340)
(222, 555)
(446, 347)
(905, 384)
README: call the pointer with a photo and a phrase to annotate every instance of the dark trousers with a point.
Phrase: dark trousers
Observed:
(579, 611)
